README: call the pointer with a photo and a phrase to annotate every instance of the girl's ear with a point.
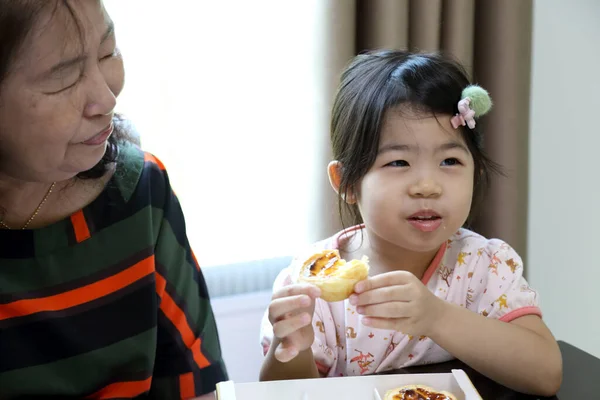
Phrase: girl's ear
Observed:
(334, 170)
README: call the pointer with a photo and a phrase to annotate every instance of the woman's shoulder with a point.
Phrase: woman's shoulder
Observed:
(140, 172)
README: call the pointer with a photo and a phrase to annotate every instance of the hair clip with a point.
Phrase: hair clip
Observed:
(475, 102)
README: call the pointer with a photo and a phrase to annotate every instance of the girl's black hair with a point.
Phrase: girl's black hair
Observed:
(375, 82)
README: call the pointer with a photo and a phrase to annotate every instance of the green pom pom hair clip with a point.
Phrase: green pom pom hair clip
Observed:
(475, 102)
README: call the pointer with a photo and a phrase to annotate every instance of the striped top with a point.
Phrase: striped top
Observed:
(109, 303)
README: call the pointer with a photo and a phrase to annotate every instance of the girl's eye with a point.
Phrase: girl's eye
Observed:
(449, 162)
(398, 163)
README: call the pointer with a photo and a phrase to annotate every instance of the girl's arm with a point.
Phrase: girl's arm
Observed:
(521, 354)
(302, 366)
(290, 355)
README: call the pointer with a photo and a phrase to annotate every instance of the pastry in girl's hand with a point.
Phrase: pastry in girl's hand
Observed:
(417, 392)
(332, 274)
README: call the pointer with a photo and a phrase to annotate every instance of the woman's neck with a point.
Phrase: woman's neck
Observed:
(386, 257)
(19, 199)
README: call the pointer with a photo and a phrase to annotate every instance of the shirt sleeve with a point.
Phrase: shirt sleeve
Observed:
(502, 291)
(323, 355)
(188, 356)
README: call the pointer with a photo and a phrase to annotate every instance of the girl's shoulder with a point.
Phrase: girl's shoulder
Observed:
(485, 276)
(465, 240)
(468, 248)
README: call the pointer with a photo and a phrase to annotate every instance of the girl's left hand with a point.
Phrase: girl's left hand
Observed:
(398, 301)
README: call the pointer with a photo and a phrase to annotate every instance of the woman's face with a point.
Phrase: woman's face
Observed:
(58, 99)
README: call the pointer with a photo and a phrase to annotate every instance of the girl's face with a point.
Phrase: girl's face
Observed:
(58, 100)
(418, 193)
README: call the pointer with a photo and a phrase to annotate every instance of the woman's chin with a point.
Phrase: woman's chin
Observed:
(84, 162)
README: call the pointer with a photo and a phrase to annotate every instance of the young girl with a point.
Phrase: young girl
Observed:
(410, 166)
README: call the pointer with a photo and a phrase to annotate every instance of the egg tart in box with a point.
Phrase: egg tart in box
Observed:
(417, 392)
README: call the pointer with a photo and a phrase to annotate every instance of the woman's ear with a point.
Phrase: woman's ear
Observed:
(334, 170)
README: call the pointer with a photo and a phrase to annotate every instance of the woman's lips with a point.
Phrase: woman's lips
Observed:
(101, 137)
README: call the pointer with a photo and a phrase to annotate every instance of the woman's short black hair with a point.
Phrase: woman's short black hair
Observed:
(17, 18)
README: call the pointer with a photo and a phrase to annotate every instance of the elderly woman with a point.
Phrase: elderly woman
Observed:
(100, 293)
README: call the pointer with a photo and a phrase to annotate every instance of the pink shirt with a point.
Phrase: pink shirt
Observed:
(482, 275)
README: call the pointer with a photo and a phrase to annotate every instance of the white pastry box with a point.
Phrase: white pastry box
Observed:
(372, 387)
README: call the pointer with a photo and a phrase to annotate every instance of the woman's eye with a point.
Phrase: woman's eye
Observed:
(398, 163)
(449, 162)
(111, 55)
(64, 89)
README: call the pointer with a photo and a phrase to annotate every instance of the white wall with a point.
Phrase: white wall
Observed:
(224, 94)
(238, 321)
(564, 203)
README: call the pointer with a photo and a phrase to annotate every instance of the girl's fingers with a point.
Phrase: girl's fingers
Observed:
(297, 289)
(286, 327)
(394, 309)
(388, 279)
(383, 295)
(282, 306)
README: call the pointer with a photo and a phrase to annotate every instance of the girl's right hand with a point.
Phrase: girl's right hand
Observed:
(291, 313)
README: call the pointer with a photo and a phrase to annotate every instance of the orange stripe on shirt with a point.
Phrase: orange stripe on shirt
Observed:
(195, 260)
(82, 295)
(150, 158)
(187, 389)
(123, 390)
(178, 319)
(80, 226)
